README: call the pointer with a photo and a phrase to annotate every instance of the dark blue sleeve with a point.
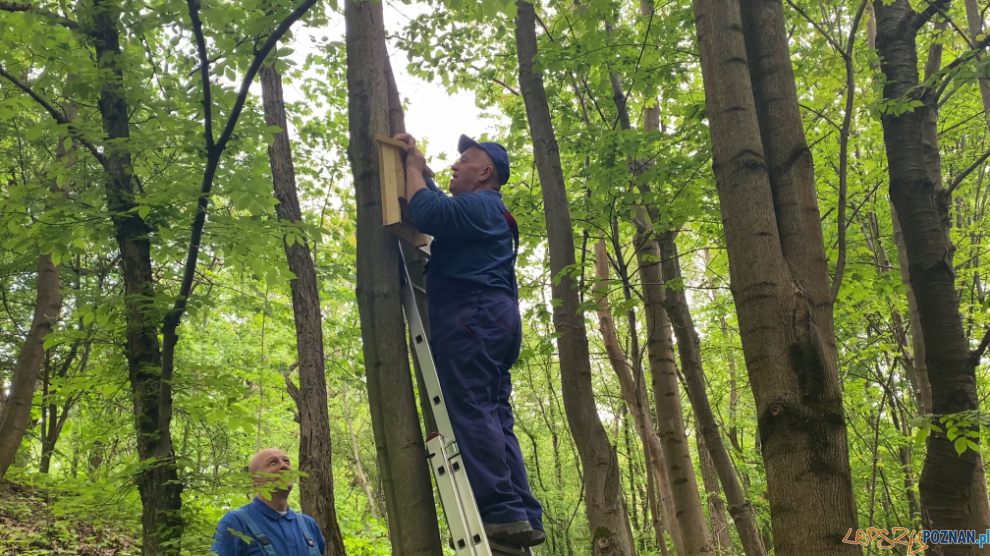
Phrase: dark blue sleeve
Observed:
(432, 185)
(461, 217)
(226, 543)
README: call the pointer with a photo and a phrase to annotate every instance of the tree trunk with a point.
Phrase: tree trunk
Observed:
(660, 353)
(689, 349)
(783, 303)
(660, 349)
(717, 523)
(17, 409)
(412, 514)
(415, 260)
(361, 476)
(670, 417)
(974, 19)
(633, 388)
(604, 502)
(948, 497)
(316, 494)
(158, 479)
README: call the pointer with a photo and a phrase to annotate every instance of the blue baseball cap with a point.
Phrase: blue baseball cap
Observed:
(498, 153)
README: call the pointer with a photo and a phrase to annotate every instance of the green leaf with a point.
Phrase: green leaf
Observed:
(34, 132)
(960, 445)
(143, 211)
(50, 340)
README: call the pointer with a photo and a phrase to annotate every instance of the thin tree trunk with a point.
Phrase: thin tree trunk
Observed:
(872, 233)
(689, 348)
(362, 477)
(412, 516)
(974, 19)
(670, 417)
(604, 502)
(316, 490)
(17, 409)
(633, 391)
(948, 497)
(923, 392)
(660, 353)
(158, 482)
(655, 512)
(718, 525)
(51, 424)
(783, 304)
(659, 346)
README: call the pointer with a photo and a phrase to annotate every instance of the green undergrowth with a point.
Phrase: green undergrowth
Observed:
(38, 519)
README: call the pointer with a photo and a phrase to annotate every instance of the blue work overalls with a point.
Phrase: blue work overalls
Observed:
(258, 530)
(476, 334)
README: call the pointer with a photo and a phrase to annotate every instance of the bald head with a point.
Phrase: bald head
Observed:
(260, 460)
(268, 462)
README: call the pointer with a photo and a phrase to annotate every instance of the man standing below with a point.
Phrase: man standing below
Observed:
(267, 526)
(476, 327)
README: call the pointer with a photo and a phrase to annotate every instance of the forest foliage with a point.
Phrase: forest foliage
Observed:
(75, 477)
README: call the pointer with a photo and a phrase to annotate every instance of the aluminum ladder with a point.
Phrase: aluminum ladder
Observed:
(459, 505)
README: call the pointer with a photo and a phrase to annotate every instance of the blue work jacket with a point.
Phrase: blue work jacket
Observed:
(283, 532)
(472, 246)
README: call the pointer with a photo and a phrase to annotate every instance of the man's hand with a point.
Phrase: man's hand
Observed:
(416, 170)
(415, 161)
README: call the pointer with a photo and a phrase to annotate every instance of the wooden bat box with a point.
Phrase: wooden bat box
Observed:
(395, 207)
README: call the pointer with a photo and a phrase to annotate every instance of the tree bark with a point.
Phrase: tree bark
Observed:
(362, 477)
(17, 409)
(783, 303)
(670, 417)
(158, 479)
(689, 349)
(633, 388)
(948, 497)
(974, 19)
(717, 523)
(415, 260)
(604, 502)
(316, 491)
(412, 514)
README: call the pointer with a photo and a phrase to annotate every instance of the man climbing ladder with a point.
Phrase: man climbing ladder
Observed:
(476, 327)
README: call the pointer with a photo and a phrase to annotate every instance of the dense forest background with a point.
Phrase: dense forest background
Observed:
(167, 248)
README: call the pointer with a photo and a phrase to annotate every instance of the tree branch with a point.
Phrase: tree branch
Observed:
(56, 115)
(844, 134)
(967, 172)
(977, 48)
(64, 22)
(920, 19)
(174, 316)
(831, 40)
(978, 354)
(204, 71)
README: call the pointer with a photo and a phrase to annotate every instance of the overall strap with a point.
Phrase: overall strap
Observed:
(310, 542)
(266, 545)
(514, 228)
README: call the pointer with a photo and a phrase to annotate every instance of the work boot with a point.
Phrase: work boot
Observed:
(519, 533)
